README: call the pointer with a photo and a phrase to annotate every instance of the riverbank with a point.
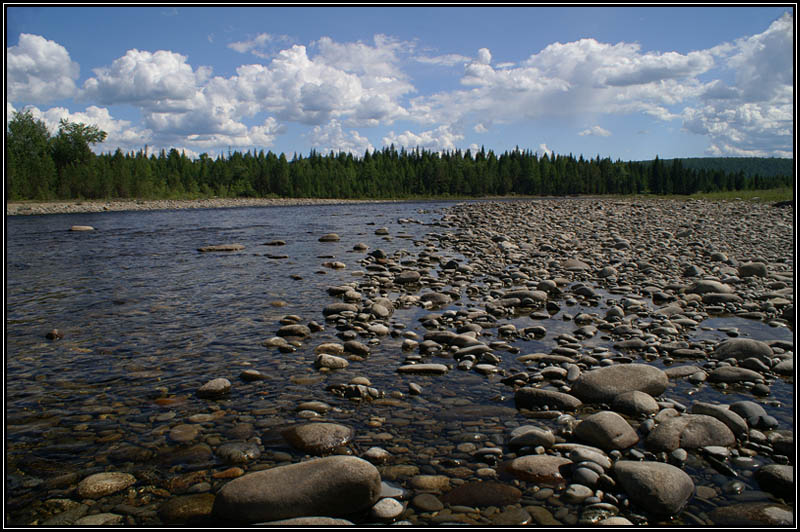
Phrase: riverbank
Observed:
(89, 206)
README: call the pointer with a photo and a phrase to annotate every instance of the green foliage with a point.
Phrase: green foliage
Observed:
(71, 146)
(30, 172)
(380, 174)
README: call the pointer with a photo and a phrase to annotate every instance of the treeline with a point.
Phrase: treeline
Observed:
(751, 166)
(35, 171)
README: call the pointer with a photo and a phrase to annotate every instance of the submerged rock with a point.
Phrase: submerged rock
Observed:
(318, 438)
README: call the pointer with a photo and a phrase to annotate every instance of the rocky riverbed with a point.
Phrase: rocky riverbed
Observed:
(527, 362)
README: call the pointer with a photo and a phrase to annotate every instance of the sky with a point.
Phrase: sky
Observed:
(628, 83)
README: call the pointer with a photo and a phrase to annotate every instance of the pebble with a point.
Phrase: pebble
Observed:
(214, 388)
(387, 509)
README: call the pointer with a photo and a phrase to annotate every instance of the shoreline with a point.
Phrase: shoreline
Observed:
(28, 208)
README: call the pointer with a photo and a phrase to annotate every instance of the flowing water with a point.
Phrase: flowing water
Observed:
(146, 319)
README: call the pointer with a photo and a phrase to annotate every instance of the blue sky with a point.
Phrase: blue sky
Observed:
(624, 82)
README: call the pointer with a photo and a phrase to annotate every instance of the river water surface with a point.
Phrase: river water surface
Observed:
(146, 319)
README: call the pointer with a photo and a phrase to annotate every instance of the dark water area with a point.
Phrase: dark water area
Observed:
(147, 319)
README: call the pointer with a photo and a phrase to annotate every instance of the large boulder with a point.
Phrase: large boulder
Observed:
(742, 348)
(333, 486)
(753, 514)
(660, 488)
(605, 384)
(690, 431)
(607, 430)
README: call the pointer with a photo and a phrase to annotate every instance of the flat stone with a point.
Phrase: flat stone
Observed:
(102, 484)
(306, 522)
(103, 519)
(730, 374)
(294, 330)
(186, 508)
(221, 248)
(708, 286)
(431, 482)
(531, 436)
(184, 433)
(424, 369)
(543, 469)
(427, 502)
(754, 514)
(482, 493)
(535, 398)
(333, 486)
(512, 517)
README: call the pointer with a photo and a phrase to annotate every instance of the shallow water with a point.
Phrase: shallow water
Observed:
(146, 319)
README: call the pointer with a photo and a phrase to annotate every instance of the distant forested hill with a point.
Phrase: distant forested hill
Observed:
(750, 166)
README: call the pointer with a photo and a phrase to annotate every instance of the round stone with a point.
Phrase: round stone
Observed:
(102, 484)
(607, 430)
(427, 502)
(661, 488)
(387, 509)
(318, 438)
(214, 388)
(606, 384)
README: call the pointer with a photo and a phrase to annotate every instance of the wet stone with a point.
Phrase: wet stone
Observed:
(318, 438)
(186, 509)
(214, 388)
(427, 502)
(102, 484)
(387, 509)
(238, 452)
(482, 493)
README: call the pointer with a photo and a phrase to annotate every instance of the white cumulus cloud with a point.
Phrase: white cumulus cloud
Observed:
(331, 137)
(440, 139)
(756, 116)
(156, 80)
(39, 71)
